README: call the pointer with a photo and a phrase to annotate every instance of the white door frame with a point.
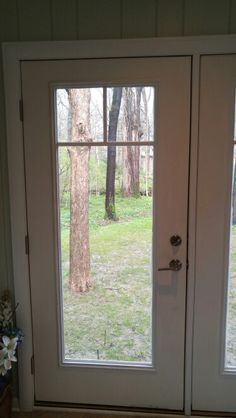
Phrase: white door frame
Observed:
(13, 54)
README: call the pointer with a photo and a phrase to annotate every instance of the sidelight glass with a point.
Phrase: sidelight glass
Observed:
(230, 352)
(105, 207)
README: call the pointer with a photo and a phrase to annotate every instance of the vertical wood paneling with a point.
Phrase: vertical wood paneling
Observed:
(34, 20)
(8, 20)
(6, 280)
(232, 25)
(8, 32)
(139, 18)
(3, 270)
(206, 17)
(99, 19)
(170, 17)
(3, 220)
(64, 19)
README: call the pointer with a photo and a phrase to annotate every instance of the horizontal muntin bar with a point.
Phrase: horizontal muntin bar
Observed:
(104, 144)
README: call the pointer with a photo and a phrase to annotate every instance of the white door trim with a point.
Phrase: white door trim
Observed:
(13, 54)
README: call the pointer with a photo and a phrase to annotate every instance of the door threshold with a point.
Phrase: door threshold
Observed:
(52, 412)
(207, 414)
(108, 410)
(51, 409)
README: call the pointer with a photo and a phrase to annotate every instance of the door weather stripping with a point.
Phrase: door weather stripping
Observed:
(32, 365)
(21, 110)
(27, 244)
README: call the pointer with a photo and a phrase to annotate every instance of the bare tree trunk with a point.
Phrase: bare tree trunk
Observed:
(128, 169)
(128, 172)
(97, 164)
(111, 153)
(79, 279)
(137, 135)
(133, 132)
(147, 134)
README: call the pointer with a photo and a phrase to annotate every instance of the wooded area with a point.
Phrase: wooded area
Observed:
(81, 119)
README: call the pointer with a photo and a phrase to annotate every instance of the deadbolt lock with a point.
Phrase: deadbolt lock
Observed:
(175, 240)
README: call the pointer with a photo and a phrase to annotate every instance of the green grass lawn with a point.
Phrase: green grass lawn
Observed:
(113, 320)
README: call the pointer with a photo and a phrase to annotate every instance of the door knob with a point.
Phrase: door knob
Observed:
(174, 265)
(175, 240)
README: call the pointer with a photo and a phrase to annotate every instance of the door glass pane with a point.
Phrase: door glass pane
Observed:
(105, 240)
(91, 116)
(135, 118)
(230, 355)
(135, 121)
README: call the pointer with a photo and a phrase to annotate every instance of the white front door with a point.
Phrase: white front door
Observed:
(214, 349)
(106, 159)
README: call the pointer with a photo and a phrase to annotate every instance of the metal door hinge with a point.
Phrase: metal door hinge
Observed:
(21, 110)
(27, 244)
(32, 364)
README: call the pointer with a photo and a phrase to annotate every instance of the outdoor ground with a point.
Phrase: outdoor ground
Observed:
(113, 320)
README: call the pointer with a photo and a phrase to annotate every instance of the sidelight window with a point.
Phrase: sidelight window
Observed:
(230, 355)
